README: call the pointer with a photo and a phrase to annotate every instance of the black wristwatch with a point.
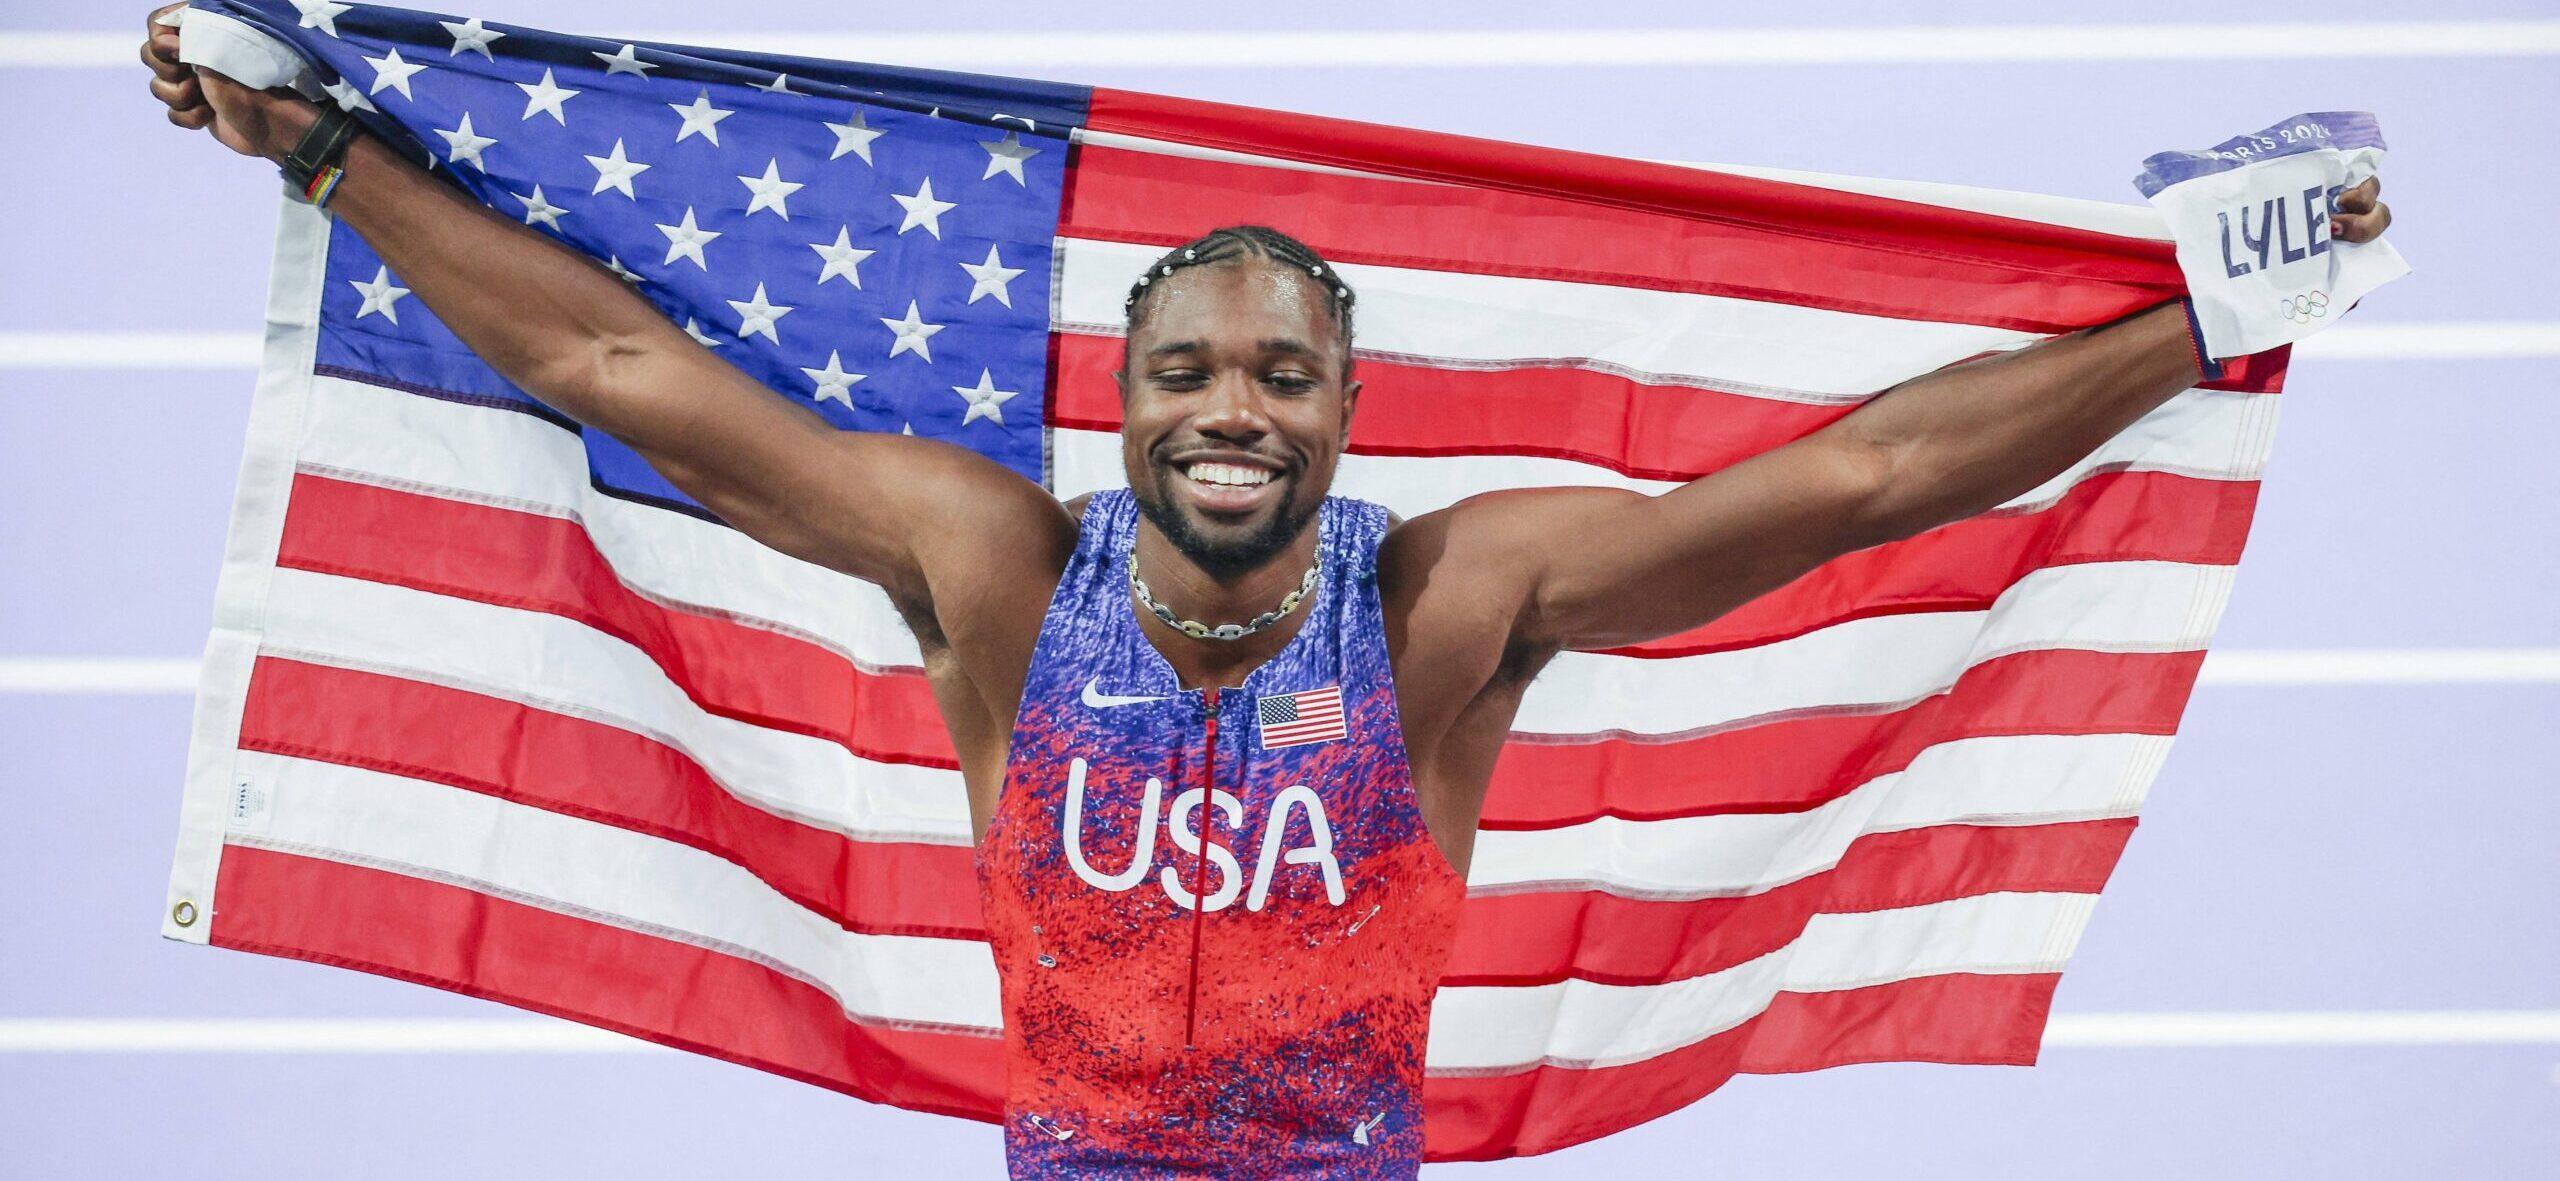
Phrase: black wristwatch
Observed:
(312, 166)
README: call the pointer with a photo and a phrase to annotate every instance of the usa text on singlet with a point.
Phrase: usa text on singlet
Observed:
(1217, 915)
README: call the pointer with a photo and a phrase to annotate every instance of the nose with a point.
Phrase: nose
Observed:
(1232, 411)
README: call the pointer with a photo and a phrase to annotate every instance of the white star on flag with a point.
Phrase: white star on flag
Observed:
(841, 256)
(545, 97)
(348, 97)
(1006, 156)
(700, 118)
(464, 145)
(985, 400)
(390, 71)
(990, 278)
(379, 295)
(538, 212)
(833, 381)
(614, 264)
(693, 329)
(853, 135)
(756, 317)
(770, 190)
(781, 84)
(686, 240)
(470, 35)
(912, 333)
(320, 14)
(923, 210)
(614, 171)
(625, 60)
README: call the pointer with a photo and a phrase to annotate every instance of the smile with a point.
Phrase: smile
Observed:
(1227, 475)
(1225, 487)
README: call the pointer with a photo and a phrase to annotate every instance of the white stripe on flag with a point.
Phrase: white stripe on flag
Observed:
(1881, 661)
(503, 457)
(1576, 1023)
(602, 873)
(564, 666)
(1797, 352)
(2208, 434)
(2005, 780)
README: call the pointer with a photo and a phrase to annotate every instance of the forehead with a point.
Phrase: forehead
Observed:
(1237, 304)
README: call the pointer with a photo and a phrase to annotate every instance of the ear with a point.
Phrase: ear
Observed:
(1350, 406)
(1121, 376)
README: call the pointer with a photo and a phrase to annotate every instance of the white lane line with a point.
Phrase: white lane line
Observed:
(2382, 666)
(2231, 1030)
(2459, 340)
(2479, 1027)
(129, 350)
(2453, 340)
(75, 675)
(1398, 49)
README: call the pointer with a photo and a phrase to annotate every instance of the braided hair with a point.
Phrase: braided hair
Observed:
(1239, 242)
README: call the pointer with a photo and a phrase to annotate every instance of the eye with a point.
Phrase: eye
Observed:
(1292, 383)
(1179, 379)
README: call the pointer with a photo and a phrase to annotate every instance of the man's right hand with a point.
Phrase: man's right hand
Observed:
(262, 123)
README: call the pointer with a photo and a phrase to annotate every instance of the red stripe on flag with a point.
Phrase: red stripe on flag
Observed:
(1792, 764)
(1988, 1020)
(511, 558)
(1572, 215)
(2109, 517)
(1654, 432)
(1530, 212)
(602, 773)
(672, 993)
(1645, 431)
(1545, 936)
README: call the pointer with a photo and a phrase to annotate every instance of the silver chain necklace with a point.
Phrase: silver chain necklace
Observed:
(1224, 631)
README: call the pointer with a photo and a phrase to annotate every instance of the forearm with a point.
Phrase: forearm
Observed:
(545, 317)
(1960, 442)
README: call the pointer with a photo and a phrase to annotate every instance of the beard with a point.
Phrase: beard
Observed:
(1227, 553)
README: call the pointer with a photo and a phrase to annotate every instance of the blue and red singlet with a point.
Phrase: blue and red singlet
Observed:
(1218, 916)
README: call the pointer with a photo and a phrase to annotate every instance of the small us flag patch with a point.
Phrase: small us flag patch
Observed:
(1297, 719)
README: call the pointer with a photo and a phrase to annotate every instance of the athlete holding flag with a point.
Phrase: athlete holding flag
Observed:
(1225, 737)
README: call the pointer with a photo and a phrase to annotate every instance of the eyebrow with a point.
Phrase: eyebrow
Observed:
(1276, 344)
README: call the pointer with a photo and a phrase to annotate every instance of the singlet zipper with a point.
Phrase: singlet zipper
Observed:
(1199, 874)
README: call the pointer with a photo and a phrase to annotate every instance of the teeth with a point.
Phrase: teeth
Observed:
(1227, 474)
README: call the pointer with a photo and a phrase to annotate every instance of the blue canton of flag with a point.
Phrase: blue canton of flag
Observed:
(874, 243)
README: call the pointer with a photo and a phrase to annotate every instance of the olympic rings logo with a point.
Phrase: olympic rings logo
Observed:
(2303, 309)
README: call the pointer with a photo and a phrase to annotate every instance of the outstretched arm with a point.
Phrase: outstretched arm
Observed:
(903, 512)
(1601, 568)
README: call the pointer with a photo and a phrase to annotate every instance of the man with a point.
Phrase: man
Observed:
(1225, 738)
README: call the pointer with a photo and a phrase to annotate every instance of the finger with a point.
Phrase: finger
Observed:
(153, 21)
(2361, 199)
(181, 94)
(193, 118)
(161, 54)
(2363, 227)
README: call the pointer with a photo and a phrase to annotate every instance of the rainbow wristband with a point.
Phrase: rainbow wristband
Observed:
(324, 183)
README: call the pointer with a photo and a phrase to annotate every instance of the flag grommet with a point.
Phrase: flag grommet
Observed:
(183, 914)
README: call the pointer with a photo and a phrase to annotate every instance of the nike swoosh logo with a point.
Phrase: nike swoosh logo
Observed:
(1095, 698)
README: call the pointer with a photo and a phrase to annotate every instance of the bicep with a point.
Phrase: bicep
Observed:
(897, 510)
(1614, 567)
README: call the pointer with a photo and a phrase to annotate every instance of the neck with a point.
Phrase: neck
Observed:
(1193, 591)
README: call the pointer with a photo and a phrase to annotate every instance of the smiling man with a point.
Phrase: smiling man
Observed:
(1226, 738)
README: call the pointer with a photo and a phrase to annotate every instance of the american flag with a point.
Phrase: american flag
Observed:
(1299, 719)
(491, 707)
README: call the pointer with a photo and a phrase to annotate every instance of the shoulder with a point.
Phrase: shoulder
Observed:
(1458, 582)
(1492, 536)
